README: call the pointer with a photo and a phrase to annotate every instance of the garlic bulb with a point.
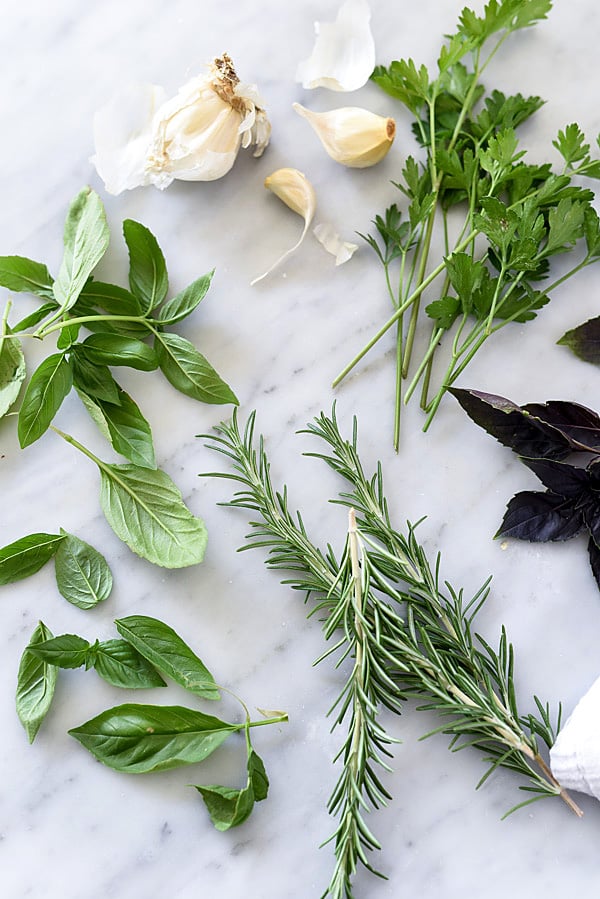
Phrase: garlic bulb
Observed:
(575, 756)
(295, 190)
(352, 136)
(344, 53)
(142, 138)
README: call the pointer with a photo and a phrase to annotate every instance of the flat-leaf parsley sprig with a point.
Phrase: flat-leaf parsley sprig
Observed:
(399, 628)
(501, 220)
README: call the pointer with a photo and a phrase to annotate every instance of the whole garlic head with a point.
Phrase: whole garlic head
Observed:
(352, 136)
(195, 136)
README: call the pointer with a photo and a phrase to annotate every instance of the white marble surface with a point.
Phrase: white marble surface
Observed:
(73, 829)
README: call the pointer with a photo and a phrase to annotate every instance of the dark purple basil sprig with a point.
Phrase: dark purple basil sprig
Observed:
(543, 434)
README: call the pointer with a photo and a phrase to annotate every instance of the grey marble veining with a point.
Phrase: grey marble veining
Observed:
(73, 829)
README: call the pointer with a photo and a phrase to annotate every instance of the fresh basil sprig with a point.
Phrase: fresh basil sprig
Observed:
(138, 738)
(129, 327)
(543, 435)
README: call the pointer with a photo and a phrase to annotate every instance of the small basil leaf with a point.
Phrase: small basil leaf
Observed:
(85, 239)
(559, 477)
(22, 275)
(540, 517)
(165, 649)
(66, 651)
(35, 317)
(36, 681)
(95, 380)
(507, 422)
(141, 738)
(26, 556)
(68, 336)
(12, 372)
(147, 269)
(122, 666)
(584, 341)
(229, 807)
(185, 302)
(49, 385)
(92, 406)
(128, 430)
(146, 511)
(578, 424)
(82, 573)
(116, 349)
(189, 372)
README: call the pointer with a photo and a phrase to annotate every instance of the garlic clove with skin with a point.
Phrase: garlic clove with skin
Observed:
(194, 136)
(352, 136)
(344, 53)
(575, 756)
(295, 190)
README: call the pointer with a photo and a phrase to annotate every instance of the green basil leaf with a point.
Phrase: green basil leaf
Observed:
(22, 275)
(159, 643)
(122, 666)
(26, 556)
(189, 372)
(68, 336)
(116, 349)
(35, 317)
(185, 302)
(95, 412)
(95, 380)
(129, 432)
(111, 298)
(146, 511)
(82, 573)
(36, 681)
(49, 385)
(66, 651)
(229, 807)
(85, 239)
(142, 738)
(147, 269)
(12, 372)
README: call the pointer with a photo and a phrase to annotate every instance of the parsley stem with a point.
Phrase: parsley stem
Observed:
(401, 309)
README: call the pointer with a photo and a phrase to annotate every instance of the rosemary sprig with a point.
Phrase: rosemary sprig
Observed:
(405, 633)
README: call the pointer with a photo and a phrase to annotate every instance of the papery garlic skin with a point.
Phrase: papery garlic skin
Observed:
(352, 136)
(295, 190)
(331, 241)
(194, 136)
(343, 57)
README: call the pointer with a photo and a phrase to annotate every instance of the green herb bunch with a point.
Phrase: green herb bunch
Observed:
(138, 738)
(501, 221)
(399, 630)
(128, 327)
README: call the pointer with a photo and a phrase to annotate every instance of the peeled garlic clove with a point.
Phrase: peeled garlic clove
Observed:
(333, 243)
(295, 190)
(194, 136)
(352, 136)
(344, 53)
(575, 756)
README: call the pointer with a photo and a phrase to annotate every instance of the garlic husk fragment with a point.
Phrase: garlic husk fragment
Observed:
(333, 243)
(352, 136)
(142, 138)
(343, 57)
(295, 190)
(575, 756)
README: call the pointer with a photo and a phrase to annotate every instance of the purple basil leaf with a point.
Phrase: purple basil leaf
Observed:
(565, 480)
(539, 517)
(594, 554)
(584, 341)
(579, 425)
(512, 427)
